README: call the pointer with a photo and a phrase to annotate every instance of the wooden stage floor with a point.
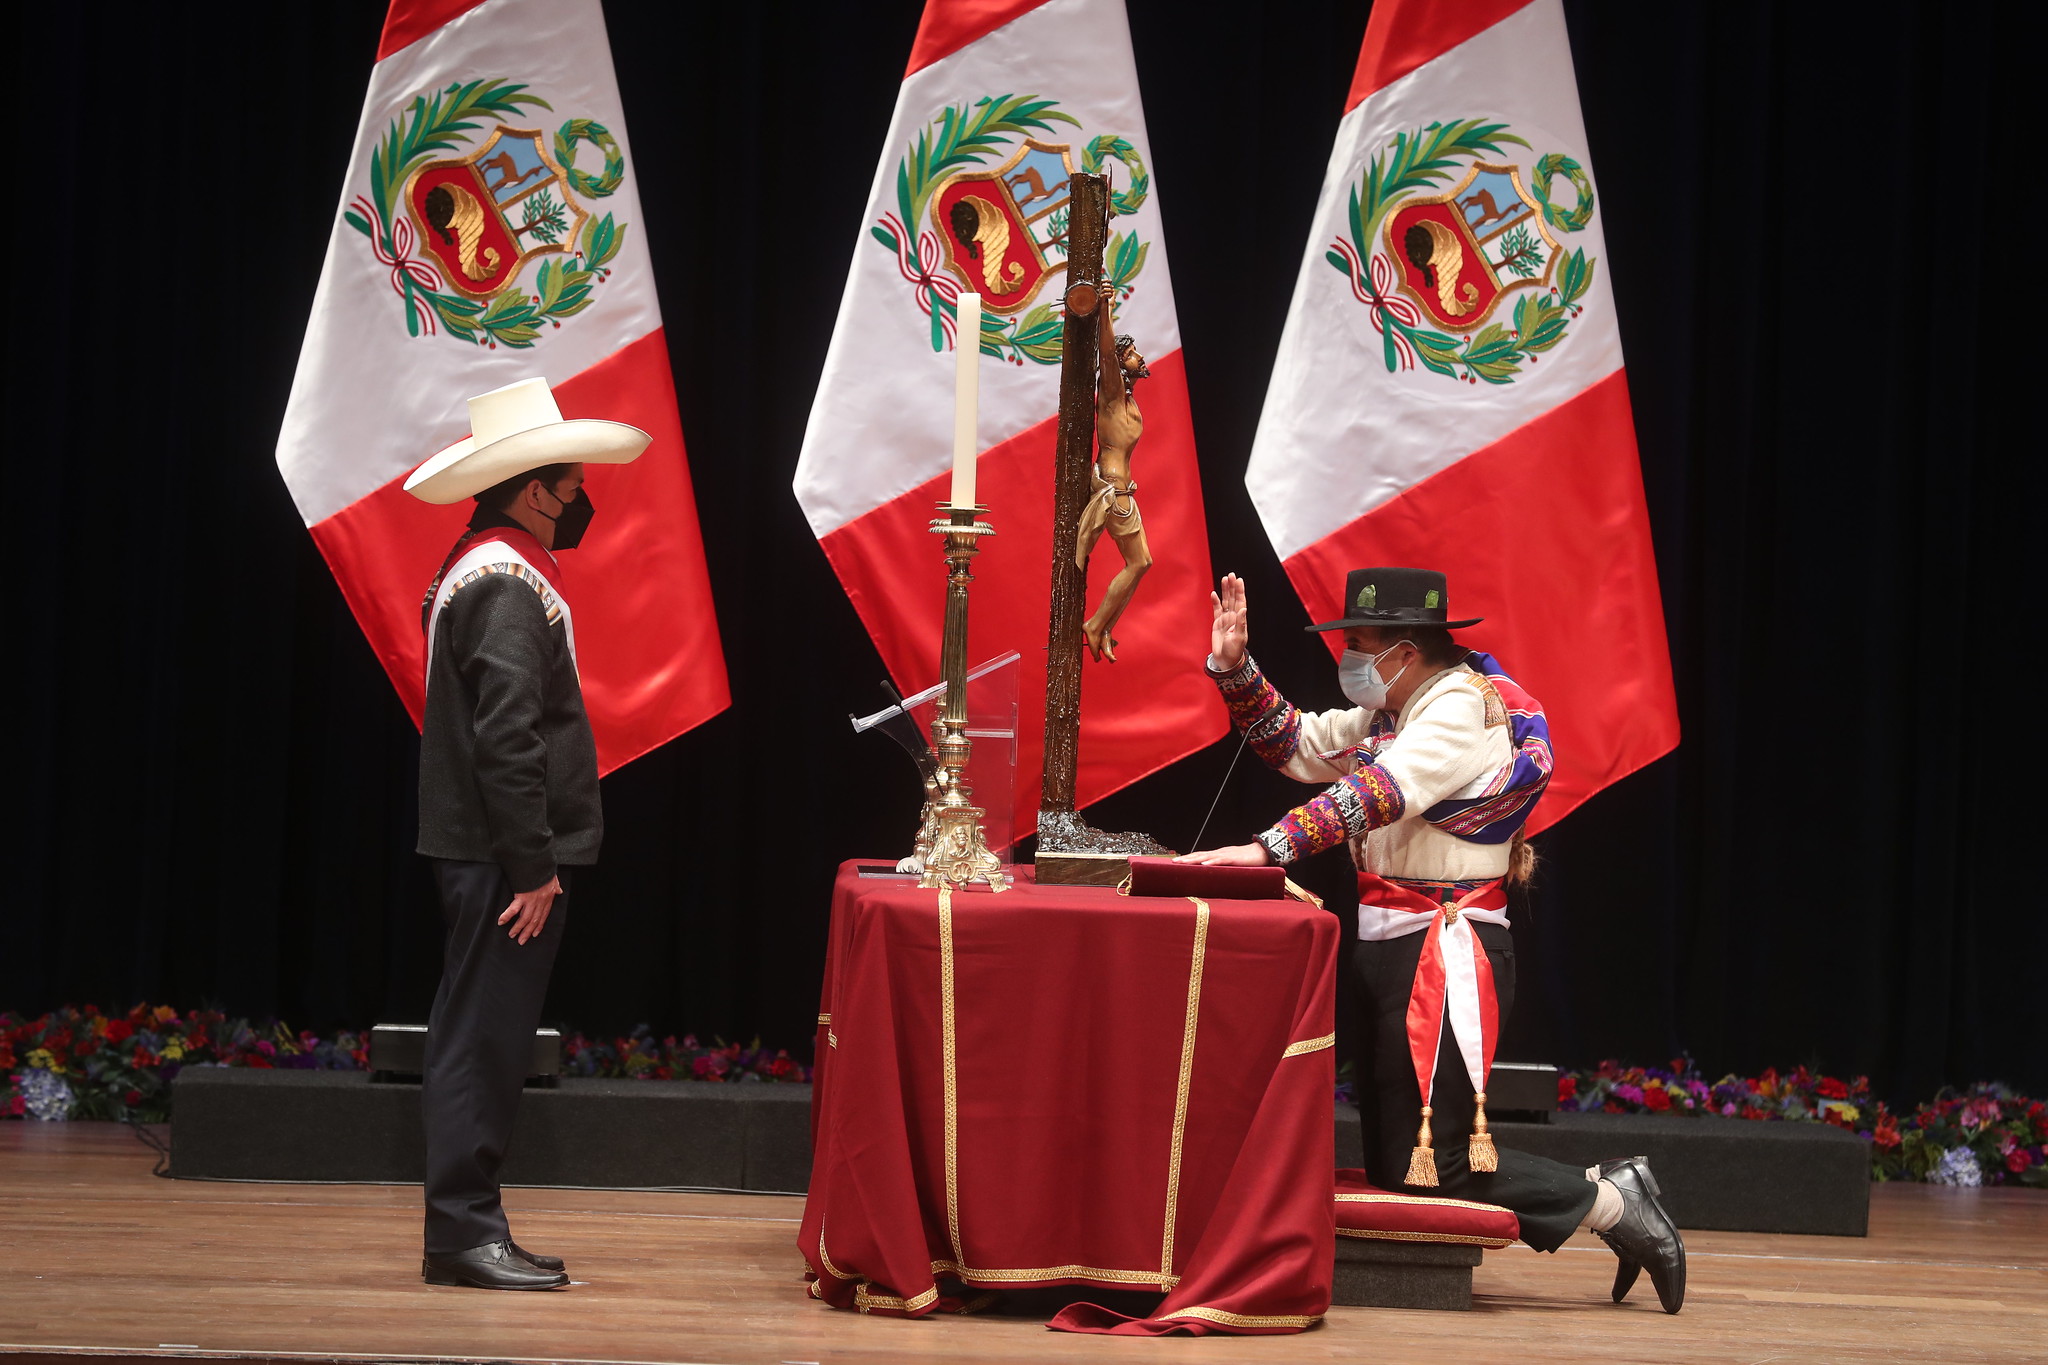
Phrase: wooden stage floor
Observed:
(97, 1255)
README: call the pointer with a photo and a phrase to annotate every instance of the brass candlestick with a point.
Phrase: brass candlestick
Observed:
(959, 851)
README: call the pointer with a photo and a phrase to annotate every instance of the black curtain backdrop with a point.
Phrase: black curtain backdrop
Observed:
(219, 780)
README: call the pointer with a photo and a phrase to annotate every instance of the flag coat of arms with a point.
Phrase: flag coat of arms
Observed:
(1001, 104)
(490, 231)
(1449, 391)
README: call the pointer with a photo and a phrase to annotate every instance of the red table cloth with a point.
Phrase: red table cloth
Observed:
(1061, 1085)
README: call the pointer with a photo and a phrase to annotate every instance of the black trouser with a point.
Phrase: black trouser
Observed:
(1550, 1198)
(479, 1049)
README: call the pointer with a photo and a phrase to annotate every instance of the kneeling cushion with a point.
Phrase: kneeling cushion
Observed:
(1366, 1211)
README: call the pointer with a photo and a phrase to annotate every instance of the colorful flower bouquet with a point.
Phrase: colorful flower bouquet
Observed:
(641, 1056)
(87, 1065)
(82, 1064)
(1986, 1135)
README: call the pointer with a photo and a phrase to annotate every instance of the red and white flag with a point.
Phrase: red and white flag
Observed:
(1449, 392)
(490, 231)
(1003, 102)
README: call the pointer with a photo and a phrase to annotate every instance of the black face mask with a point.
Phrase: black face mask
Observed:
(572, 521)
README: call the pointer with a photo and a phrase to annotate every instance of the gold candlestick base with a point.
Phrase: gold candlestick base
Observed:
(960, 854)
(959, 851)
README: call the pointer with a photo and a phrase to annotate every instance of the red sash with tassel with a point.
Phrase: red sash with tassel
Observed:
(1453, 988)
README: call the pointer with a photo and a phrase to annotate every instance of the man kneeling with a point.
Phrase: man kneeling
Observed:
(1432, 775)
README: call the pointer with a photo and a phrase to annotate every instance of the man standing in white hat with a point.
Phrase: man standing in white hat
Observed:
(508, 799)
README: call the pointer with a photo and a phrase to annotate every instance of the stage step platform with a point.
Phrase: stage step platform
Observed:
(235, 1123)
(1373, 1274)
(1730, 1175)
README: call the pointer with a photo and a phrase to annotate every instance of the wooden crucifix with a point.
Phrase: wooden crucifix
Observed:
(1069, 850)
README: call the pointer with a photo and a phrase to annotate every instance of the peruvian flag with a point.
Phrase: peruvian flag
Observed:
(489, 231)
(1449, 392)
(1001, 103)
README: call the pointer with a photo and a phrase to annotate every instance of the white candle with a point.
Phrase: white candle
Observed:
(966, 397)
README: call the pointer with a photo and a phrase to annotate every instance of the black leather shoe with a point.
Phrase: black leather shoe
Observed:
(536, 1259)
(1626, 1270)
(490, 1266)
(1646, 1235)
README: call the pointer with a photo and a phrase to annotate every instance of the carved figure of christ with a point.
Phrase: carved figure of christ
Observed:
(1112, 504)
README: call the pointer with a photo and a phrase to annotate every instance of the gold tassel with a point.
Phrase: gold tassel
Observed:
(1422, 1161)
(1301, 893)
(1479, 1153)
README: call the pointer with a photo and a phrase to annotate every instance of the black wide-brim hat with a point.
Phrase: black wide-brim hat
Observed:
(1391, 598)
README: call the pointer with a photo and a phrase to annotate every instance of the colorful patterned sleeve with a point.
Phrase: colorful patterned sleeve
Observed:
(1271, 725)
(1366, 799)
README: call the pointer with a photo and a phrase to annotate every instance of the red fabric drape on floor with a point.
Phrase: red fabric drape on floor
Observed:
(1061, 1085)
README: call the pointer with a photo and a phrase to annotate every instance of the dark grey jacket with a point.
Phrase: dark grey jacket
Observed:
(508, 767)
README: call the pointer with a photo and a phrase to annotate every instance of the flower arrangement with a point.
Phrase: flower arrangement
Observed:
(74, 1063)
(1799, 1095)
(641, 1056)
(1986, 1134)
(83, 1064)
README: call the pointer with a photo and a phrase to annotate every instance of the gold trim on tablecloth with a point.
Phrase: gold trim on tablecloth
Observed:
(1187, 1071)
(1057, 1272)
(1229, 1319)
(826, 1261)
(862, 1299)
(1308, 1045)
(865, 1301)
(947, 1053)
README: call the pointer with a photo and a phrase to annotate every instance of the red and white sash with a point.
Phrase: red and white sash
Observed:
(1453, 988)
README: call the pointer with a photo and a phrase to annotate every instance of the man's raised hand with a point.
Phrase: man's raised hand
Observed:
(1228, 633)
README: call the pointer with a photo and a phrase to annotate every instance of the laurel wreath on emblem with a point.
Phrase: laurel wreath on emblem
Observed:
(562, 286)
(602, 184)
(1123, 201)
(1548, 167)
(1427, 156)
(967, 134)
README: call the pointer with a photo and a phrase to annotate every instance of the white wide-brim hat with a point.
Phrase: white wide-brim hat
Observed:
(515, 429)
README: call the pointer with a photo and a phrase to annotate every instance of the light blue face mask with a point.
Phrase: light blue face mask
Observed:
(1358, 674)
